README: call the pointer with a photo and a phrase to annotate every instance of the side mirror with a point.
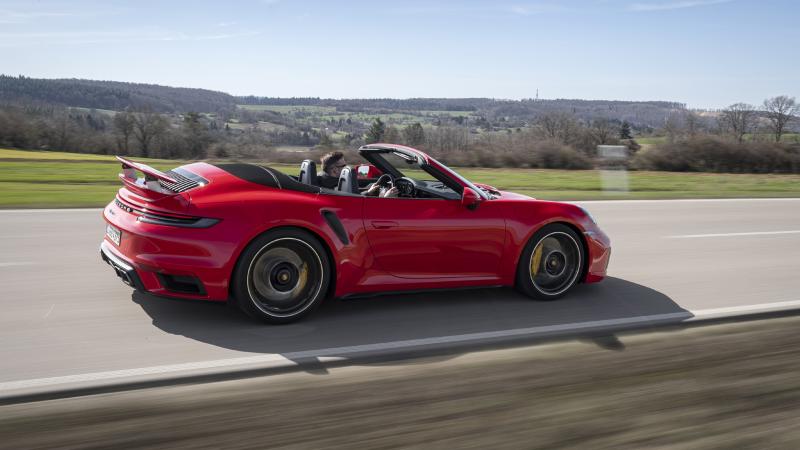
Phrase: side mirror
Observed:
(470, 199)
(368, 171)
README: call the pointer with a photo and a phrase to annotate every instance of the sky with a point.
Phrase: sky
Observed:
(705, 53)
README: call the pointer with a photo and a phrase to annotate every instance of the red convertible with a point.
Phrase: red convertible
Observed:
(277, 245)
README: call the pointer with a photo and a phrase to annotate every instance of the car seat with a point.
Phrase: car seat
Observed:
(308, 173)
(348, 181)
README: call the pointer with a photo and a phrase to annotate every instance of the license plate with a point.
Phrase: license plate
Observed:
(113, 233)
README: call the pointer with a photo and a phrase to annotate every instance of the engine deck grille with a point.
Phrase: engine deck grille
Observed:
(185, 181)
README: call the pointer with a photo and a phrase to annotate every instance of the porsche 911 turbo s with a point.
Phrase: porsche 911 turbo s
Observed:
(277, 245)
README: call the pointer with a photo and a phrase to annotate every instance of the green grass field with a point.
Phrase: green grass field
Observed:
(37, 179)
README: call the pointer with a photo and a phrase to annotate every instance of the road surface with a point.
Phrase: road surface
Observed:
(68, 322)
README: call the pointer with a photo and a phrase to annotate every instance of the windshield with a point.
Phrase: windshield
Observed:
(453, 174)
(406, 167)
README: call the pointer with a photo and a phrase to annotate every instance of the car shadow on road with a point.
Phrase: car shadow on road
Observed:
(403, 317)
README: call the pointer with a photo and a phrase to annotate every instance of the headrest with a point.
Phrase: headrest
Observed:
(348, 181)
(308, 173)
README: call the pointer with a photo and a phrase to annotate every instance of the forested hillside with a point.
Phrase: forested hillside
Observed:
(641, 114)
(112, 95)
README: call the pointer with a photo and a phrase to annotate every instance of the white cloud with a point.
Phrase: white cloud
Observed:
(664, 6)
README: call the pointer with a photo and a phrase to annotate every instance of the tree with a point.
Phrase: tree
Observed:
(673, 125)
(195, 134)
(625, 130)
(123, 124)
(148, 125)
(414, 134)
(376, 131)
(558, 126)
(739, 118)
(780, 111)
(692, 123)
(392, 135)
(325, 140)
(602, 131)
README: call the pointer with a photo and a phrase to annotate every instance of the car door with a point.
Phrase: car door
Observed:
(432, 238)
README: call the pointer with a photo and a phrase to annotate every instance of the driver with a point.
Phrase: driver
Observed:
(332, 164)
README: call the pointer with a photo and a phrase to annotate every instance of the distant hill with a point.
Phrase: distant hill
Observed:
(113, 95)
(639, 113)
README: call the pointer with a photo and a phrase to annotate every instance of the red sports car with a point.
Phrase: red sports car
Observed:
(278, 245)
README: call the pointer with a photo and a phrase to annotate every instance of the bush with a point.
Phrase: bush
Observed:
(708, 154)
(535, 154)
(553, 155)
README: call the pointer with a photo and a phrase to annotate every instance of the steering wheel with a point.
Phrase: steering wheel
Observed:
(385, 181)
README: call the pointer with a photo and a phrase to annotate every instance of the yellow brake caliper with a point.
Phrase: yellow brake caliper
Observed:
(537, 258)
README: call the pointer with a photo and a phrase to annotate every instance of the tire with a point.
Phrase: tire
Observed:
(282, 276)
(550, 272)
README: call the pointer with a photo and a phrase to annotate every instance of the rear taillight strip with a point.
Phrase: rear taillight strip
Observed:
(146, 216)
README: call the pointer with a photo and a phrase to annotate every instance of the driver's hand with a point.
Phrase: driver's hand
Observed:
(393, 192)
(373, 190)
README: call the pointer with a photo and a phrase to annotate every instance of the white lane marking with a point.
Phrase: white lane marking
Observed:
(691, 200)
(155, 370)
(701, 314)
(287, 359)
(749, 233)
(50, 210)
(12, 264)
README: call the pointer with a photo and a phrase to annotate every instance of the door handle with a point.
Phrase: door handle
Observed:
(383, 224)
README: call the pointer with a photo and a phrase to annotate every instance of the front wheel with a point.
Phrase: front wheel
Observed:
(281, 276)
(551, 263)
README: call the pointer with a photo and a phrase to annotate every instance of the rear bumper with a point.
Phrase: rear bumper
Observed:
(168, 261)
(123, 269)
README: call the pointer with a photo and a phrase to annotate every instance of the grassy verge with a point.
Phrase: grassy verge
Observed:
(53, 179)
(722, 386)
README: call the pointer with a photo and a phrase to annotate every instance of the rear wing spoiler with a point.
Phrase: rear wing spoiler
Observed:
(148, 185)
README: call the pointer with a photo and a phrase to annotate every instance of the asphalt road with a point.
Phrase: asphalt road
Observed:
(68, 321)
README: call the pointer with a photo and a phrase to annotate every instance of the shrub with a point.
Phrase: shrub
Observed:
(708, 154)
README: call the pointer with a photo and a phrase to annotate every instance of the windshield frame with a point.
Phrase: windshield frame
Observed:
(429, 165)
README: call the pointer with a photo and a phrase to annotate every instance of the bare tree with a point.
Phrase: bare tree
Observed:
(392, 135)
(603, 131)
(414, 134)
(557, 126)
(673, 126)
(739, 118)
(123, 123)
(693, 123)
(780, 111)
(148, 125)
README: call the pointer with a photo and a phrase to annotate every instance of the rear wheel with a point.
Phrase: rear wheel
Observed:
(282, 276)
(551, 263)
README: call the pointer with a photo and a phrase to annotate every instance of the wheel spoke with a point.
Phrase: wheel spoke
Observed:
(555, 263)
(285, 277)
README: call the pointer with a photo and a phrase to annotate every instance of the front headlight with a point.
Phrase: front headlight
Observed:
(589, 215)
